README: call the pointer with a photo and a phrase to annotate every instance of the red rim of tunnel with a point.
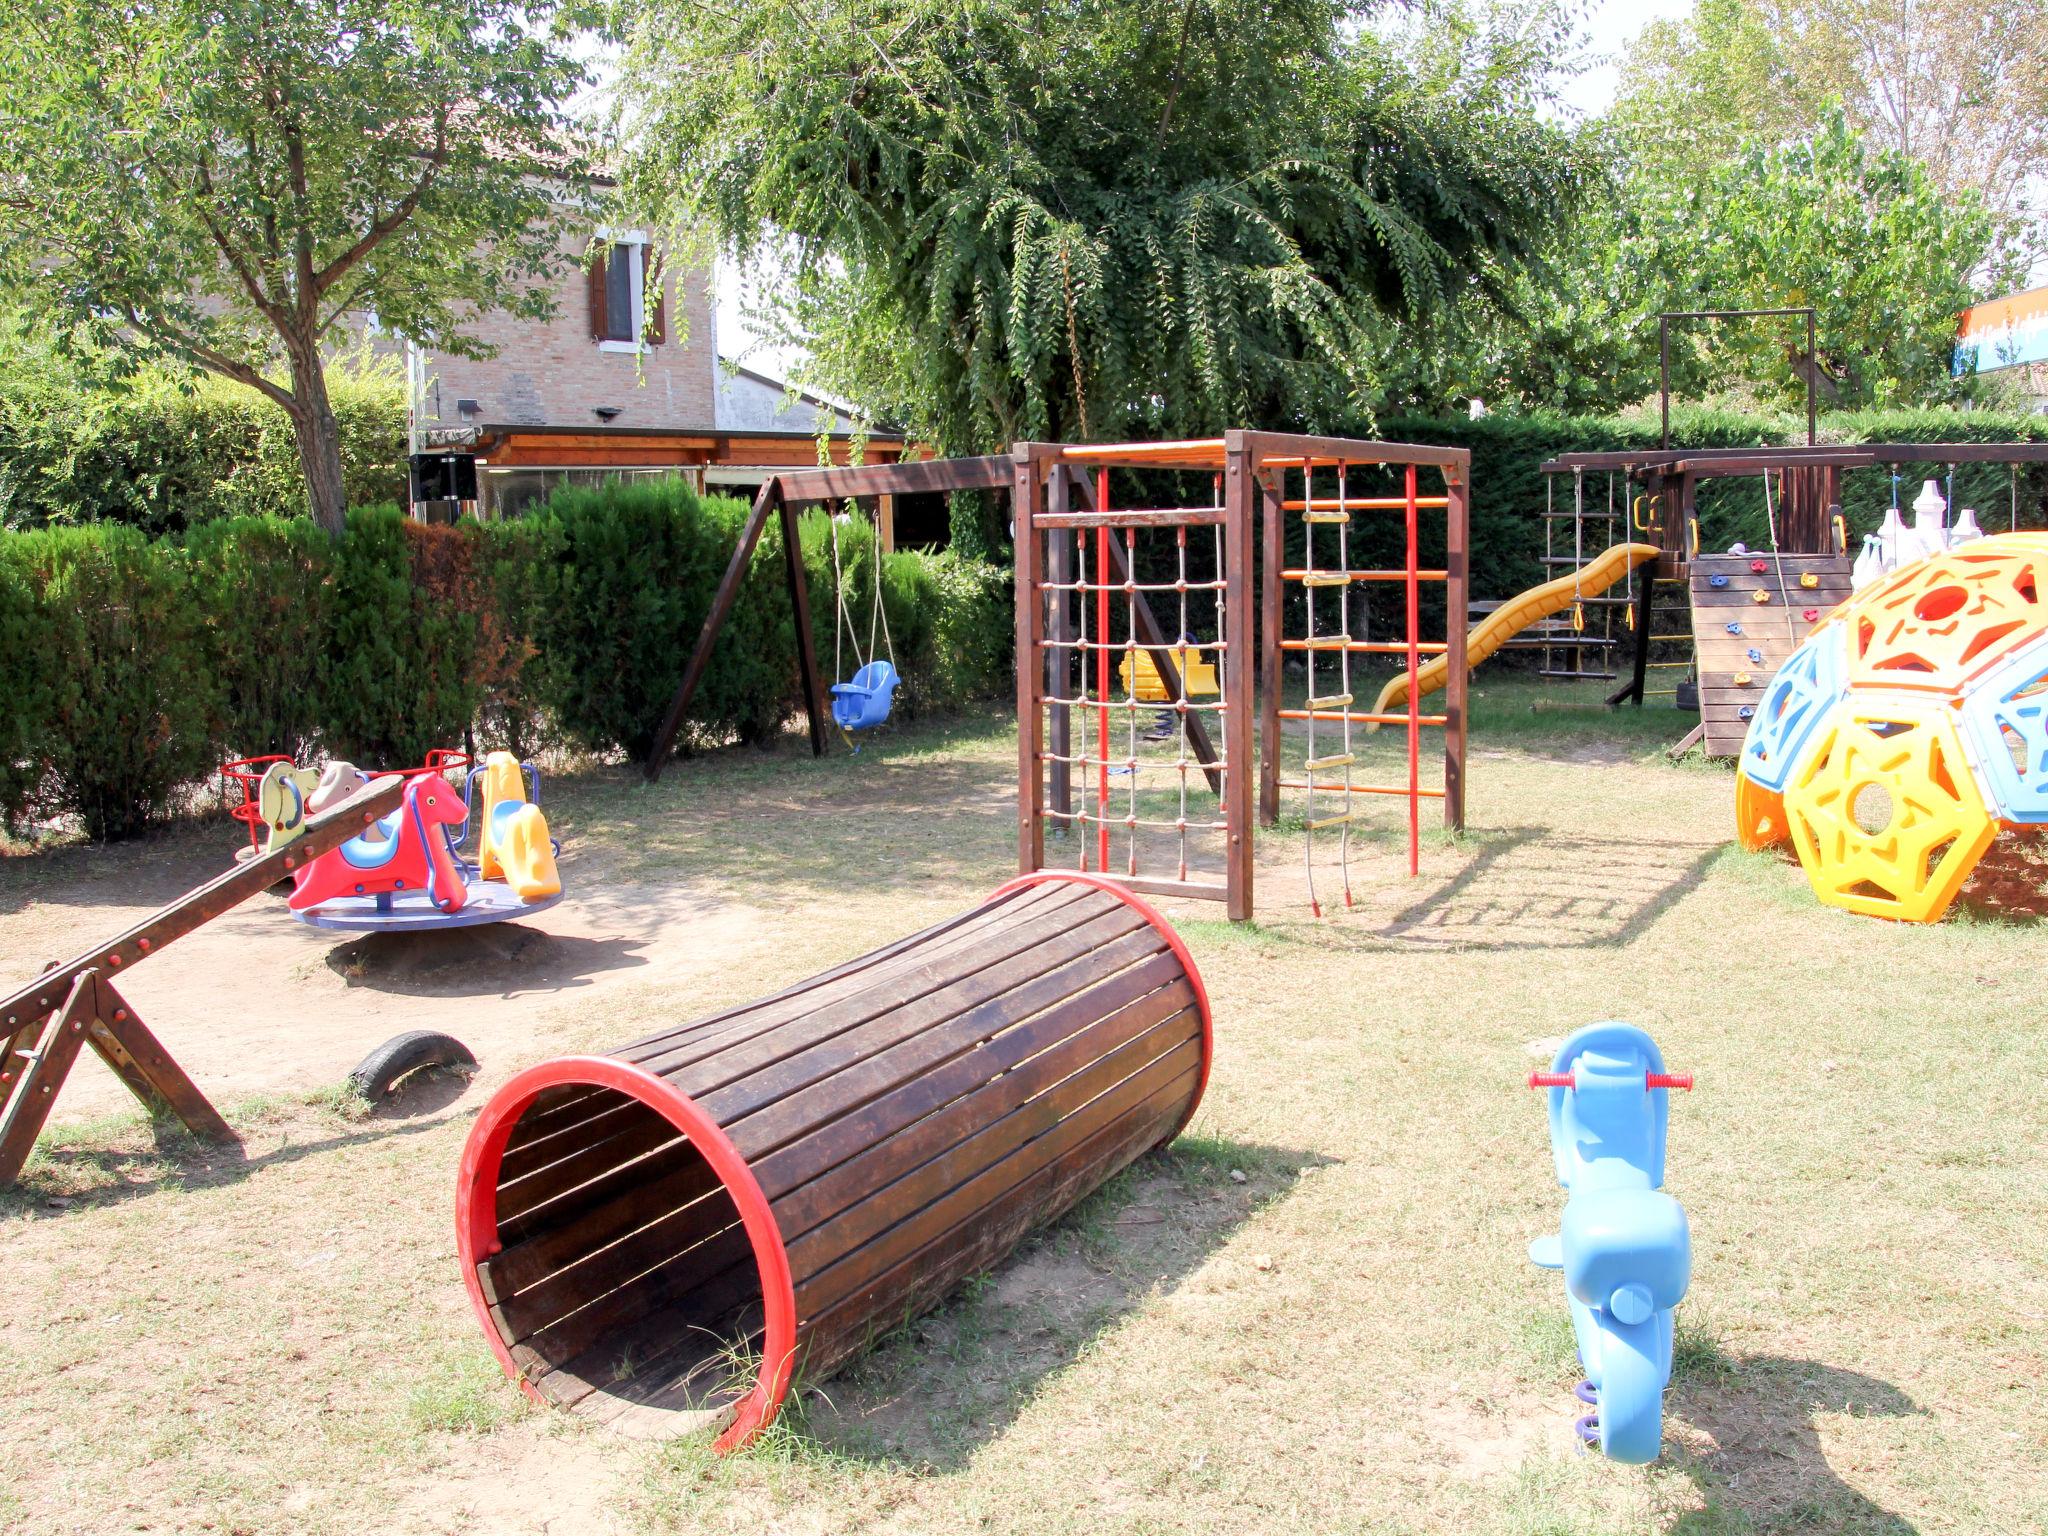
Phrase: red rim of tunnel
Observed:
(1152, 915)
(476, 1216)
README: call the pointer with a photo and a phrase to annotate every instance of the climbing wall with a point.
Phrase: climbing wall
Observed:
(1749, 614)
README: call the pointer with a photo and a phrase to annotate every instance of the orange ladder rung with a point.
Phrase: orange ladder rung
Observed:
(1361, 789)
(1366, 503)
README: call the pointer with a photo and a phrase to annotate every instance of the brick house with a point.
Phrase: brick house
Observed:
(589, 394)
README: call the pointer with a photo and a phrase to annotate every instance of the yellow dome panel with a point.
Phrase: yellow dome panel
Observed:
(1884, 812)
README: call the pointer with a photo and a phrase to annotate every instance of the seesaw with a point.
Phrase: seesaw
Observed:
(45, 1024)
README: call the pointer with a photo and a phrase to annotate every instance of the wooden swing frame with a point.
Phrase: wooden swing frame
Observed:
(781, 496)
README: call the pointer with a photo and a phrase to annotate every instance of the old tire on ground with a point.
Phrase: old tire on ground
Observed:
(402, 1055)
(662, 1236)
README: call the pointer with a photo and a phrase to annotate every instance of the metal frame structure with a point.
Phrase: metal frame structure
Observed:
(1664, 356)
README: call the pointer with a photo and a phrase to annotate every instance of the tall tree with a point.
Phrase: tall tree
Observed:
(1090, 219)
(1958, 85)
(226, 180)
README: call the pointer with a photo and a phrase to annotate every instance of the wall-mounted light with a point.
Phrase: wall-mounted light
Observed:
(469, 407)
(605, 413)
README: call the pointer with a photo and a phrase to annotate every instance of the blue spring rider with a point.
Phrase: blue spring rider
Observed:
(864, 699)
(1623, 1244)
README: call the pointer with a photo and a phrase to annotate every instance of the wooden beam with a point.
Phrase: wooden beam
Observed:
(816, 699)
(330, 829)
(1237, 670)
(721, 607)
(1027, 500)
(1457, 680)
(995, 472)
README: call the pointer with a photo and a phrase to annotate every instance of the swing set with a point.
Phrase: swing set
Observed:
(862, 700)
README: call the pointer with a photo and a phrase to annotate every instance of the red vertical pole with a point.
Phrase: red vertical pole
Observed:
(1102, 673)
(1414, 703)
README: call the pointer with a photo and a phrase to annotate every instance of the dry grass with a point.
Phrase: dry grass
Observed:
(1349, 1339)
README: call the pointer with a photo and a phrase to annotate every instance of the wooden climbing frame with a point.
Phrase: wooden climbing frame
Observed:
(1090, 647)
(45, 1024)
(1090, 577)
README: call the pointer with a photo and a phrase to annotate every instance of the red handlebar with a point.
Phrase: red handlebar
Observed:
(1681, 1080)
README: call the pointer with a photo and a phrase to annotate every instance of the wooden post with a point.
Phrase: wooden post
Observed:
(1457, 679)
(765, 501)
(885, 522)
(817, 703)
(1273, 554)
(1237, 666)
(1027, 500)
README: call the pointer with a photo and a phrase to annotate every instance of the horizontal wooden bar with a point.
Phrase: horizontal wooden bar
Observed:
(1297, 575)
(1363, 789)
(1275, 450)
(1145, 517)
(803, 486)
(1360, 717)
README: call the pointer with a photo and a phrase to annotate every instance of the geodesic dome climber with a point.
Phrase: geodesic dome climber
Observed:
(1909, 729)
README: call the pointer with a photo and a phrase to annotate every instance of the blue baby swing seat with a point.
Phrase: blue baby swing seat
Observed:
(864, 699)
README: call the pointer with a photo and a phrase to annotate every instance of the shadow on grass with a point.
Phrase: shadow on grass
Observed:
(1766, 1460)
(942, 1385)
(1537, 888)
(78, 1169)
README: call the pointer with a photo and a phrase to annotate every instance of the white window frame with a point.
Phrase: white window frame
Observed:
(636, 241)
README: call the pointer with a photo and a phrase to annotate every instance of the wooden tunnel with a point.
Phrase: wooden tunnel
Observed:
(665, 1235)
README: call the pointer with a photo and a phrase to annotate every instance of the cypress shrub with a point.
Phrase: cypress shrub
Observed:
(128, 697)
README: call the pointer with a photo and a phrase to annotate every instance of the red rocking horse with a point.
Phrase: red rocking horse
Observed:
(404, 852)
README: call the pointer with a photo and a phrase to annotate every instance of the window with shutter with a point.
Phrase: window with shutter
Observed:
(618, 317)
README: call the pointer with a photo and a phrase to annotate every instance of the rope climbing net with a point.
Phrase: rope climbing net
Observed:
(1140, 695)
(1335, 629)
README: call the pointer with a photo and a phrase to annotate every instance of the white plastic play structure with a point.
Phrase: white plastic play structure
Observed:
(1894, 544)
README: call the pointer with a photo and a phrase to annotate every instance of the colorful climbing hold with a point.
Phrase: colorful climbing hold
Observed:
(1717, 582)
(1808, 580)
(1759, 566)
(1759, 596)
(1734, 628)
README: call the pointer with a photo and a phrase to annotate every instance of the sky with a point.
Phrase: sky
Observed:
(1608, 28)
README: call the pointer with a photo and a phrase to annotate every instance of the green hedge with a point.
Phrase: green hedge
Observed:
(133, 666)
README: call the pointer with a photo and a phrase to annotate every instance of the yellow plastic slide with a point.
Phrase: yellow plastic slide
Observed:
(1517, 614)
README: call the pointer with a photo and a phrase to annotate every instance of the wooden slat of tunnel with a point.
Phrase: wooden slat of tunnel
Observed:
(907, 1115)
(560, 1109)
